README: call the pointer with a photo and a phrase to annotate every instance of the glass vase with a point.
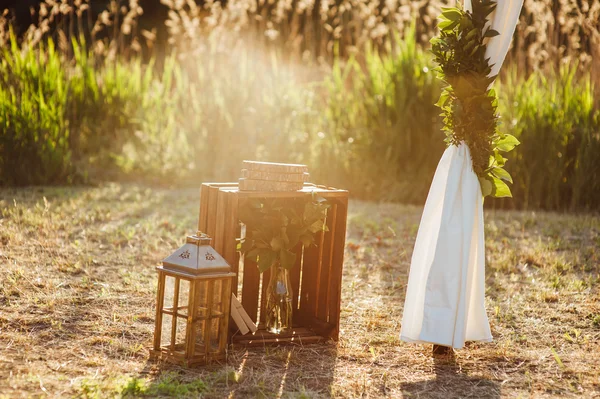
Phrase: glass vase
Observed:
(279, 300)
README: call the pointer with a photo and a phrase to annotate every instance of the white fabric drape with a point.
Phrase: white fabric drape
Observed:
(446, 286)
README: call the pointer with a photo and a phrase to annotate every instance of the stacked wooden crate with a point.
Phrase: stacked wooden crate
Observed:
(316, 278)
(268, 176)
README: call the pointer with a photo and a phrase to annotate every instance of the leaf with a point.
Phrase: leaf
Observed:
(265, 260)
(507, 143)
(317, 226)
(446, 25)
(254, 253)
(491, 33)
(443, 98)
(288, 259)
(500, 160)
(452, 14)
(307, 239)
(486, 186)
(277, 244)
(500, 189)
(501, 173)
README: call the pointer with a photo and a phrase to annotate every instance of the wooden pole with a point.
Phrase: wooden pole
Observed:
(175, 306)
(160, 295)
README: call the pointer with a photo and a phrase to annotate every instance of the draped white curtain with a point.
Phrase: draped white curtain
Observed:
(445, 297)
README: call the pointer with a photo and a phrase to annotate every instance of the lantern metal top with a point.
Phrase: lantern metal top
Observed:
(196, 257)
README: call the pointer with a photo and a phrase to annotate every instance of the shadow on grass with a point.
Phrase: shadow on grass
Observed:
(450, 382)
(266, 372)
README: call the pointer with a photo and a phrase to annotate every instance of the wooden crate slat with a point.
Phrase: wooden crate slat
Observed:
(231, 228)
(335, 279)
(323, 287)
(211, 221)
(219, 236)
(266, 276)
(295, 276)
(300, 341)
(203, 219)
(250, 289)
(300, 336)
(310, 275)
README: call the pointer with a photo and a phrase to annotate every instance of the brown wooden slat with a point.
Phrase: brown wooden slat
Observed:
(295, 276)
(264, 334)
(211, 221)
(207, 323)
(323, 286)
(174, 320)
(225, 303)
(219, 235)
(160, 295)
(337, 264)
(230, 235)
(203, 219)
(250, 288)
(266, 276)
(190, 331)
(310, 269)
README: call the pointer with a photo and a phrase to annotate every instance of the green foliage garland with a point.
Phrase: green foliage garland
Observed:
(468, 105)
(275, 226)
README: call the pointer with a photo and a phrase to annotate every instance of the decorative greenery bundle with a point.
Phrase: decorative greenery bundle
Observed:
(468, 105)
(275, 226)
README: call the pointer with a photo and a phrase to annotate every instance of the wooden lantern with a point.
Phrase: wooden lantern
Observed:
(192, 304)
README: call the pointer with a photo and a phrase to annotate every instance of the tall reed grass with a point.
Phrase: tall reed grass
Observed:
(353, 98)
(558, 123)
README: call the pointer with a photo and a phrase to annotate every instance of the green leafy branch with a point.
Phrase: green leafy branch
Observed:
(275, 226)
(468, 105)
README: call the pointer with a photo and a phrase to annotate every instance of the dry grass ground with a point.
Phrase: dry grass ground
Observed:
(77, 292)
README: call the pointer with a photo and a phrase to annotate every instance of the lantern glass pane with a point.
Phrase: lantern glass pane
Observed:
(217, 298)
(184, 297)
(201, 298)
(180, 335)
(169, 293)
(215, 333)
(165, 331)
(200, 343)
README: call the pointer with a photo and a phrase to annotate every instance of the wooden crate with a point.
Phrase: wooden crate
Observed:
(316, 278)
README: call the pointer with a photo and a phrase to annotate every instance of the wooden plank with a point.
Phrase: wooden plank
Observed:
(264, 334)
(306, 190)
(326, 254)
(267, 185)
(160, 295)
(203, 218)
(175, 305)
(219, 235)
(310, 275)
(225, 304)
(295, 276)
(299, 336)
(230, 235)
(211, 223)
(208, 322)
(250, 288)
(337, 265)
(190, 331)
(266, 276)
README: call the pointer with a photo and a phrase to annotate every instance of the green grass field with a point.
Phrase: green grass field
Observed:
(77, 291)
